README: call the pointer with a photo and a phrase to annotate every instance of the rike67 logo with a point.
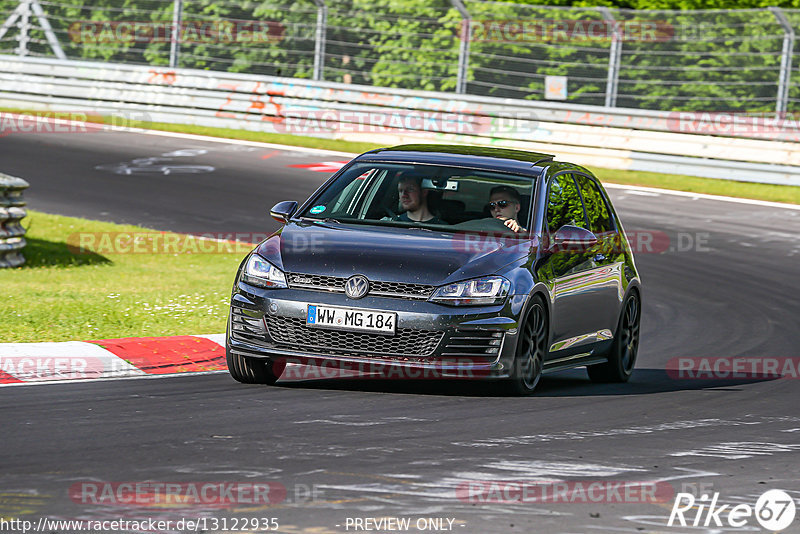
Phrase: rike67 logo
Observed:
(774, 511)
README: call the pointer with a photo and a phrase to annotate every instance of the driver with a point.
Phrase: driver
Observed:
(414, 200)
(504, 204)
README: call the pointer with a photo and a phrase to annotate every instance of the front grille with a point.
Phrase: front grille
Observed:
(316, 281)
(478, 343)
(406, 341)
(400, 289)
(377, 288)
(247, 325)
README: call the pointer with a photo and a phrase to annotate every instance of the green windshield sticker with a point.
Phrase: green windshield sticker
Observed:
(317, 209)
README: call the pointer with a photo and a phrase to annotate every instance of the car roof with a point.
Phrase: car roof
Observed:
(479, 157)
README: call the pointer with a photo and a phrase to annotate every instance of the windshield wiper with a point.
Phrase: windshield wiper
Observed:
(325, 220)
(343, 221)
(367, 222)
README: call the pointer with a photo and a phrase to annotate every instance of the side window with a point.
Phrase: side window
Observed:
(596, 207)
(563, 204)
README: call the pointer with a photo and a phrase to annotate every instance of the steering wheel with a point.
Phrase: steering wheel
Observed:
(487, 224)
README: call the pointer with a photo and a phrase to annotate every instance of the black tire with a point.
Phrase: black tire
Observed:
(622, 356)
(532, 347)
(249, 370)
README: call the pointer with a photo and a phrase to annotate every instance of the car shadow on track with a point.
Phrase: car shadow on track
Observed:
(643, 382)
(570, 383)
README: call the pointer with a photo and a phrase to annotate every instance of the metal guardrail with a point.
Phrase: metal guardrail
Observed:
(246, 93)
(605, 137)
(11, 214)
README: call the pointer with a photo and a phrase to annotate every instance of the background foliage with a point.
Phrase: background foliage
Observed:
(715, 59)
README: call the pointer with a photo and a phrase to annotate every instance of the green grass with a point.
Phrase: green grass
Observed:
(230, 133)
(61, 294)
(264, 137)
(775, 193)
(731, 188)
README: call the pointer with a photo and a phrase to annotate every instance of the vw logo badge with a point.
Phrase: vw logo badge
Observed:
(356, 286)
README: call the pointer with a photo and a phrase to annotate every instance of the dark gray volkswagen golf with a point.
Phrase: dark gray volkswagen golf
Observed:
(439, 261)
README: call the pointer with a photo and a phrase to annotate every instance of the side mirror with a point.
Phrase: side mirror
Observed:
(283, 210)
(572, 238)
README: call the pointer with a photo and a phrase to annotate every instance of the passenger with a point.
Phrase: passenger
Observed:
(504, 204)
(414, 200)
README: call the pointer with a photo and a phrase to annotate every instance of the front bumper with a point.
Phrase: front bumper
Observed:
(432, 340)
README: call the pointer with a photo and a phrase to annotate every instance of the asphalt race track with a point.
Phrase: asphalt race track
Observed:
(724, 284)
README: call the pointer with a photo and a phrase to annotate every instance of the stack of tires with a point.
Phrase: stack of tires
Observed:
(12, 211)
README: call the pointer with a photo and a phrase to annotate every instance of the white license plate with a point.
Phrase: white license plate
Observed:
(351, 319)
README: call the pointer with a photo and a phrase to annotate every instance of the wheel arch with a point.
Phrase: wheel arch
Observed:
(541, 291)
(634, 287)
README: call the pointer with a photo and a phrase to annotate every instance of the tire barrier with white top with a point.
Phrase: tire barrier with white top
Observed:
(12, 211)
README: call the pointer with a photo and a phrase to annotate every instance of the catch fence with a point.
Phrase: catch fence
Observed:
(709, 60)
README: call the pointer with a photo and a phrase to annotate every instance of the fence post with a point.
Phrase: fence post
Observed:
(12, 19)
(11, 213)
(319, 40)
(785, 76)
(24, 27)
(175, 41)
(614, 55)
(463, 48)
(49, 34)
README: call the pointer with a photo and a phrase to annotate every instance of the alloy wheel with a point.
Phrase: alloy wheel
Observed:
(533, 349)
(629, 342)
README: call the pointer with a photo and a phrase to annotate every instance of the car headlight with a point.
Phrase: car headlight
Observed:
(259, 272)
(486, 290)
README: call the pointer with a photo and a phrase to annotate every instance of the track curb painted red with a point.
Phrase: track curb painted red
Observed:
(110, 358)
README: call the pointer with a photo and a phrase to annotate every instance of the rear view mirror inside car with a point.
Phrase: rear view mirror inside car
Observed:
(441, 184)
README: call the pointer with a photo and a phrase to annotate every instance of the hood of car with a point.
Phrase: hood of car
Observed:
(389, 253)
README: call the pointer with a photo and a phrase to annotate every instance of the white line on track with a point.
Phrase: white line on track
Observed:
(109, 378)
(704, 196)
(245, 142)
(290, 148)
(642, 189)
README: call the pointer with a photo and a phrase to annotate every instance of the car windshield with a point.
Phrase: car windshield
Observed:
(440, 198)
